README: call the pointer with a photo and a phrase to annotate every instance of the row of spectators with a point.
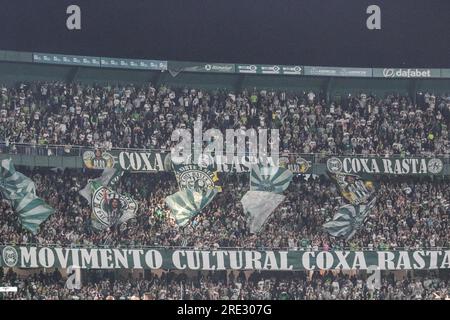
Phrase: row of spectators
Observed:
(408, 214)
(219, 286)
(144, 117)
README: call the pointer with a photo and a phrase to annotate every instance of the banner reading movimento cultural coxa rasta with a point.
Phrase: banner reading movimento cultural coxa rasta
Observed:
(229, 259)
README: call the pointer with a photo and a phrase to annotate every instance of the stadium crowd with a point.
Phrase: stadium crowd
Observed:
(58, 113)
(220, 286)
(408, 214)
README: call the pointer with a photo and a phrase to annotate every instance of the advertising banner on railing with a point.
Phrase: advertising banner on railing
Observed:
(445, 73)
(178, 66)
(225, 259)
(406, 73)
(269, 69)
(15, 56)
(64, 59)
(338, 72)
(385, 166)
(133, 64)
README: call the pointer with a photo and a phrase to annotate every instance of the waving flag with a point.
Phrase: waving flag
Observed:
(271, 179)
(14, 183)
(32, 211)
(109, 177)
(259, 205)
(196, 178)
(21, 191)
(348, 219)
(186, 204)
(353, 188)
(109, 208)
(266, 186)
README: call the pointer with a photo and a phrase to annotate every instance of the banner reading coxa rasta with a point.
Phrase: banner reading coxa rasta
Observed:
(386, 166)
(150, 161)
(230, 259)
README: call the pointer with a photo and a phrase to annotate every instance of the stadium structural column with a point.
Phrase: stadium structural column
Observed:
(155, 79)
(328, 87)
(239, 82)
(412, 89)
(71, 75)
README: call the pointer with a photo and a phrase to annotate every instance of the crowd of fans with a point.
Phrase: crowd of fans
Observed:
(407, 214)
(144, 116)
(220, 286)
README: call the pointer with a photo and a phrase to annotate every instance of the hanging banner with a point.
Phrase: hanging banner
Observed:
(385, 166)
(132, 161)
(230, 259)
(151, 161)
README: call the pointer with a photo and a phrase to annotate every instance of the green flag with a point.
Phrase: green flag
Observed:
(109, 208)
(32, 211)
(186, 204)
(271, 179)
(21, 191)
(348, 219)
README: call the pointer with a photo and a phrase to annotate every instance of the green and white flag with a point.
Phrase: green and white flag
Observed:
(354, 189)
(186, 204)
(13, 182)
(266, 187)
(259, 205)
(32, 211)
(349, 218)
(109, 177)
(21, 191)
(196, 178)
(271, 179)
(109, 208)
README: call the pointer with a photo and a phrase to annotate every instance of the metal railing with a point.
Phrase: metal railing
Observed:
(77, 150)
(299, 248)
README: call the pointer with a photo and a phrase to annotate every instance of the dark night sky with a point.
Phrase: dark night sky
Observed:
(415, 33)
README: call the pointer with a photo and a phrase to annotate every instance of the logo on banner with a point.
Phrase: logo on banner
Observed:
(300, 165)
(98, 159)
(195, 178)
(10, 256)
(435, 165)
(406, 73)
(334, 165)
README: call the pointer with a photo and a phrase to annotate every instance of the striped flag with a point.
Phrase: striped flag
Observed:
(14, 183)
(271, 179)
(348, 219)
(32, 211)
(186, 204)
(21, 191)
(353, 188)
